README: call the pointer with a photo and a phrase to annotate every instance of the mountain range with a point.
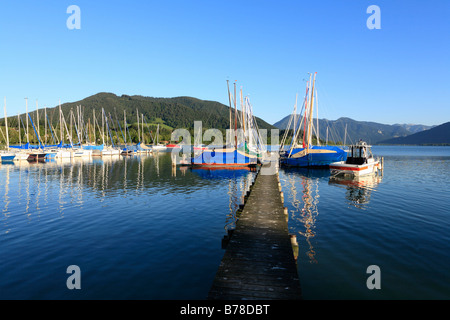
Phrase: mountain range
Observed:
(181, 112)
(371, 132)
(439, 135)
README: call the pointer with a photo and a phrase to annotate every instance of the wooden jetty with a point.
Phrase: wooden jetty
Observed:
(259, 262)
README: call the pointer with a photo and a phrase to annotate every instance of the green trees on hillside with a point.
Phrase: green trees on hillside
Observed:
(86, 121)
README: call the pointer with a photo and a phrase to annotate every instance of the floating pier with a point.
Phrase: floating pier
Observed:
(259, 262)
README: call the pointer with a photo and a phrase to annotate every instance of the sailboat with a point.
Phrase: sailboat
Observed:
(7, 156)
(110, 150)
(227, 156)
(302, 153)
(22, 151)
(38, 155)
(158, 146)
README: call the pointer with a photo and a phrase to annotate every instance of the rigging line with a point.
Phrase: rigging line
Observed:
(51, 131)
(98, 126)
(115, 129)
(119, 126)
(151, 136)
(303, 118)
(109, 130)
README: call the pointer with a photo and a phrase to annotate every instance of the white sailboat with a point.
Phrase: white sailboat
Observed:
(22, 154)
(7, 156)
(158, 146)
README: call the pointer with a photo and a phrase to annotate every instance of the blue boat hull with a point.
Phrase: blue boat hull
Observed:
(8, 158)
(319, 156)
(221, 158)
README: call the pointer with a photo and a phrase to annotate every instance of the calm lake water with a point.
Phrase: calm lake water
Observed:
(140, 229)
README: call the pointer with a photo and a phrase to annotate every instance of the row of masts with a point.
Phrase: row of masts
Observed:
(84, 129)
(248, 124)
(309, 107)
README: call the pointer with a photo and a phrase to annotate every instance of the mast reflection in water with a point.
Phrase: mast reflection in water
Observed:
(137, 227)
(302, 199)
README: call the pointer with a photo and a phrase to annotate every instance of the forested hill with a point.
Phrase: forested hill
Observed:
(167, 113)
(178, 112)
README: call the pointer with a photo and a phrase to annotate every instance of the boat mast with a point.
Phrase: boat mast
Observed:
(306, 111)
(18, 122)
(295, 120)
(139, 131)
(157, 135)
(37, 117)
(60, 124)
(142, 126)
(45, 125)
(103, 125)
(317, 119)
(243, 111)
(71, 116)
(229, 99)
(345, 135)
(77, 126)
(26, 111)
(93, 124)
(235, 118)
(125, 126)
(6, 125)
(311, 113)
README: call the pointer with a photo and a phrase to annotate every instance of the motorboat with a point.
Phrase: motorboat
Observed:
(360, 161)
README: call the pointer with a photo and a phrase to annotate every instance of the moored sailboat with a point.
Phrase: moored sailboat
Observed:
(7, 156)
(303, 153)
(237, 154)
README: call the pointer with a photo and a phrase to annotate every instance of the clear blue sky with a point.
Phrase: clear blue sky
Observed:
(398, 74)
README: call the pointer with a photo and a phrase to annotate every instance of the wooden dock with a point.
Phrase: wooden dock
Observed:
(259, 262)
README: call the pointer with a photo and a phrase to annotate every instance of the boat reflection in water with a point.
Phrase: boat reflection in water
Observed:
(239, 181)
(358, 189)
(301, 186)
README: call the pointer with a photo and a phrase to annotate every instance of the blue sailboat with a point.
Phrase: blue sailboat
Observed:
(232, 155)
(226, 157)
(303, 153)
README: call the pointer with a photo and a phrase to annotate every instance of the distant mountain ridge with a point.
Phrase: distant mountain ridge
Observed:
(414, 128)
(438, 135)
(371, 132)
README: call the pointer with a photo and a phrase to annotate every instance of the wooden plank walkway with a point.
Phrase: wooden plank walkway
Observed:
(259, 262)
